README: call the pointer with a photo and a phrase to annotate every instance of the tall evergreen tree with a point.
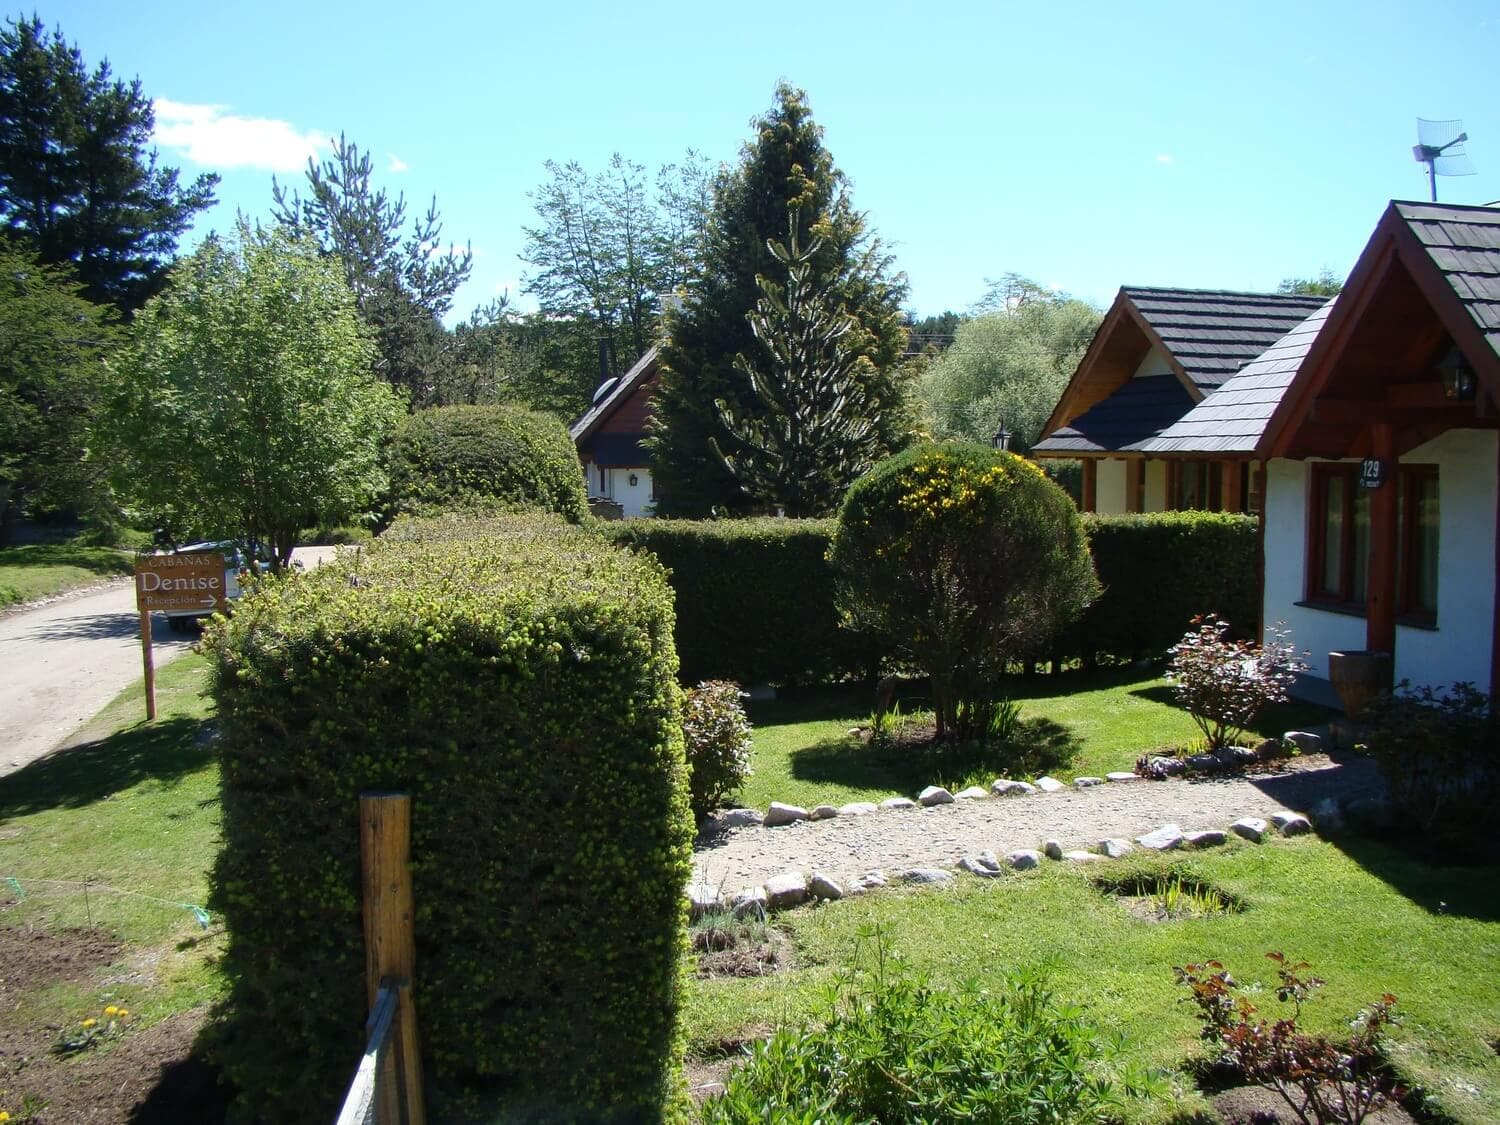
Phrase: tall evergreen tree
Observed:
(78, 183)
(810, 431)
(403, 281)
(784, 169)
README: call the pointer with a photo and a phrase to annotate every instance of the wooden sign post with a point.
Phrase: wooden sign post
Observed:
(190, 580)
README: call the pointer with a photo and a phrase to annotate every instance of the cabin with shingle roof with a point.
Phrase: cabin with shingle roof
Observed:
(608, 438)
(1157, 353)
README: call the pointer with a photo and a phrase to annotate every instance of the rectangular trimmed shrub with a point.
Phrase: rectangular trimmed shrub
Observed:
(754, 598)
(1159, 571)
(520, 682)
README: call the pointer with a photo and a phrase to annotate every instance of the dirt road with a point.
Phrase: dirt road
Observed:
(62, 661)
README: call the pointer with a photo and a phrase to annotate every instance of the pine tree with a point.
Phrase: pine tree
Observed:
(784, 169)
(809, 432)
(78, 184)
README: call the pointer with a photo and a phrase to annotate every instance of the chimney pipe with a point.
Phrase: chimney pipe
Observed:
(606, 359)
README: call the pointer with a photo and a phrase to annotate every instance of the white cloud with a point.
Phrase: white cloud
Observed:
(396, 165)
(212, 136)
(1165, 158)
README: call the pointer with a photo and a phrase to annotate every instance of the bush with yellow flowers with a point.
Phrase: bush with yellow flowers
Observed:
(91, 1031)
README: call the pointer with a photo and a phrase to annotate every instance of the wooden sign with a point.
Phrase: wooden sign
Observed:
(192, 581)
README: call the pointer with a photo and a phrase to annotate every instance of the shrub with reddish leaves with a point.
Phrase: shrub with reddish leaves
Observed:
(1224, 683)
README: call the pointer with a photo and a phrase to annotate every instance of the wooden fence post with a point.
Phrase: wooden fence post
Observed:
(390, 945)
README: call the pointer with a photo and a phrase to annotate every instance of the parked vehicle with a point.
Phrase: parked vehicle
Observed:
(237, 564)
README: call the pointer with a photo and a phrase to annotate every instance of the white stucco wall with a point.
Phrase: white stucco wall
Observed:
(1154, 498)
(1460, 648)
(1109, 488)
(635, 499)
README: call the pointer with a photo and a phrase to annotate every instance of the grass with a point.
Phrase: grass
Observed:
(1368, 918)
(132, 811)
(804, 755)
(40, 570)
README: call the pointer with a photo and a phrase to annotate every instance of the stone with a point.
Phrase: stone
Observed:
(749, 903)
(1202, 763)
(779, 814)
(1082, 857)
(855, 732)
(704, 898)
(1376, 813)
(739, 818)
(1002, 787)
(988, 859)
(1328, 815)
(1305, 741)
(972, 793)
(823, 812)
(869, 881)
(898, 803)
(973, 866)
(1250, 828)
(785, 890)
(824, 887)
(1291, 823)
(1268, 749)
(1052, 849)
(1165, 838)
(1024, 860)
(858, 808)
(1121, 775)
(934, 795)
(1162, 766)
(1113, 847)
(925, 877)
(1087, 782)
(1050, 785)
(1235, 757)
(1207, 838)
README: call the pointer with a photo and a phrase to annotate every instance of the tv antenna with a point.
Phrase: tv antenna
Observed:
(1440, 147)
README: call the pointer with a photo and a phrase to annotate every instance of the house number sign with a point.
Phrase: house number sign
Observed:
(1373, 472)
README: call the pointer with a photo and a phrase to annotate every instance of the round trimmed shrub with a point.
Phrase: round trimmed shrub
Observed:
(716, 737)
(488, 459)
(960, 558)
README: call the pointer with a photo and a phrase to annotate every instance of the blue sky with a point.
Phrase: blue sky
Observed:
(1083, 145)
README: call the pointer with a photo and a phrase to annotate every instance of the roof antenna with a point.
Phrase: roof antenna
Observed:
(1440, 147)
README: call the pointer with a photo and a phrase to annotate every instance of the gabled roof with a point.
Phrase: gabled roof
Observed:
(1205, 335)
(1233, 418)
(1212, 333)
(617, 395)
(1429, 274)
(1124, 421)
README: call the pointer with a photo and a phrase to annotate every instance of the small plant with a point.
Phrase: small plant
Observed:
(1180, 898)
(892, 1047)
(91, 1031)
(886, 722)
(1224, 683)
(1321, 1082)
(717, 737)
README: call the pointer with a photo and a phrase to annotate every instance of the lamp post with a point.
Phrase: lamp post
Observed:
(1001, 440)
(1457, 376)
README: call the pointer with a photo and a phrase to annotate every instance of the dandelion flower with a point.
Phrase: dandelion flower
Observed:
(90, 1022)
(123, 1013)
(111, 1011)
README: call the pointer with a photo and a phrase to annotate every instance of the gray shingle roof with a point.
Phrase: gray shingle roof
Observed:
(1233, 418)
(597, 412)
(1464, 243)
(1213, 332)
(1124, 420)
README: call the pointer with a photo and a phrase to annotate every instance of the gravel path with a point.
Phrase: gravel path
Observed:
(846, 846)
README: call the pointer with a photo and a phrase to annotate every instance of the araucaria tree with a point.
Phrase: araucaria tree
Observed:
(243, 404)
(784, 170)
(960, 559)
(808, 431)
(78, 183)
(403, 281)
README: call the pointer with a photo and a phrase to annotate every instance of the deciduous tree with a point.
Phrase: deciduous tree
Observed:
(784, 168)
(79, 183)
(243, 404)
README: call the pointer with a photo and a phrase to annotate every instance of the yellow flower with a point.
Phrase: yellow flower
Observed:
(123, 1013)
(4, 1116)
(89, 1022)
(111, 1011)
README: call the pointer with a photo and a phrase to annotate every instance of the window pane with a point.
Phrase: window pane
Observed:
(1360, 546)
(1424, 549)
(1333, 534)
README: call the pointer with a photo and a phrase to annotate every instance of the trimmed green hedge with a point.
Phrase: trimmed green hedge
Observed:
(519, 681)
(754, 598)
(487, 459)
(1158, 572)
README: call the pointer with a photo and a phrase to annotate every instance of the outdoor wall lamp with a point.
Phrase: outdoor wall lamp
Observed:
(634, 480)
(1457, 376)
(1001, 440)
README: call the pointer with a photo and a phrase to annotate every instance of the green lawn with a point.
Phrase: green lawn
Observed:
(804, 755)
(1368, 919)
(39, 570)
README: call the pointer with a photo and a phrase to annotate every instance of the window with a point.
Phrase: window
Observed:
(1197, 486)
(1339, 540)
